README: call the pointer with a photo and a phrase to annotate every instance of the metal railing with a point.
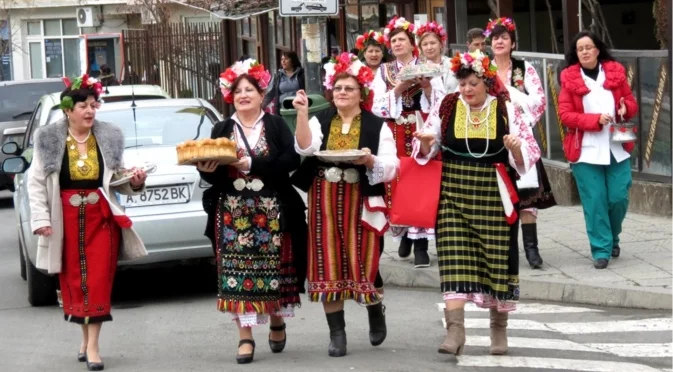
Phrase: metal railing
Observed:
(648, 75)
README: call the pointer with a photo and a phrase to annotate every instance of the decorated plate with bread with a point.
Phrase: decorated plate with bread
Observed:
(222, 150)
(424, 70)
(124, 175)
(336, 156)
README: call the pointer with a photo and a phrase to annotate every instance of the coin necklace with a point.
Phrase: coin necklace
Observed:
(71, 137)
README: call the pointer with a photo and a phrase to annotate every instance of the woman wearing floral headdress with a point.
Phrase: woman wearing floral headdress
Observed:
(372, 50)
(403, 103)
(256, 264)
(525, 88)
(432, 40)
(485, 142)
(346, 209)
(82, 229)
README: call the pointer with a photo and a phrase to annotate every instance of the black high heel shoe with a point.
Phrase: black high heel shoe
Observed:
(81, 357)
(95, 366)
(277, 346)
(246, 358)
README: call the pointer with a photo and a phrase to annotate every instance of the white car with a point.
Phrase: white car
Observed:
(169, 216)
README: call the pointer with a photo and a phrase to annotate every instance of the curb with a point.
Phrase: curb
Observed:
(403, 274)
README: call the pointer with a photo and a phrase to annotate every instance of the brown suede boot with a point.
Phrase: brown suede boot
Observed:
(498, 332)
(455, 332)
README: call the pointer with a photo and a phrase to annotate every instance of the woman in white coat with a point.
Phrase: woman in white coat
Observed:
(80, 227)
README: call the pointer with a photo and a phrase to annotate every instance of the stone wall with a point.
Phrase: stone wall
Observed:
(646, 197)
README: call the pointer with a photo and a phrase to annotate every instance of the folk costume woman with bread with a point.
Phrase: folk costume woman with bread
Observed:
(432, 41)
(257, 278)
(82, 229)
(346, 207)
(484, 141)
(595, 95)
(525, 88)
(403, 103)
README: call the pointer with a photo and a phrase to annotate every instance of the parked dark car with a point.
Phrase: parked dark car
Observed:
(17, 102)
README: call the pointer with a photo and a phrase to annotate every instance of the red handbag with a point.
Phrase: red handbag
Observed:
(572, 145)
(416, 194)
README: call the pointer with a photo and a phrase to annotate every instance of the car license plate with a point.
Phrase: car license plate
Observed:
(157, 196)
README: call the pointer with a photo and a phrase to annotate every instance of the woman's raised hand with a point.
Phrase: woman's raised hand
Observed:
(300, 101)
(512, 143)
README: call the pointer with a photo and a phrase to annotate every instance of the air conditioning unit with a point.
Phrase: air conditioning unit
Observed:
(88, 16)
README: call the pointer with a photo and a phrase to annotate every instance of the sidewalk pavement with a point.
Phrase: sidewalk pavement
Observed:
(639, 278)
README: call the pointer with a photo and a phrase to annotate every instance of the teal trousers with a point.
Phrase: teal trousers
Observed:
(604, 192)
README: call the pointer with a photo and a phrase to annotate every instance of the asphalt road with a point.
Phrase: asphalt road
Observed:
(165, 320)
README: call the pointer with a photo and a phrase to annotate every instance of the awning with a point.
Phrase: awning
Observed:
(231, 9)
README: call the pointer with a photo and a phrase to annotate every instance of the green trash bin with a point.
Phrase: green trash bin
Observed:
(316, 103)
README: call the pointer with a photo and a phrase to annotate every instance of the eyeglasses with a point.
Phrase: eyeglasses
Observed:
(588, 48)
(347, 89)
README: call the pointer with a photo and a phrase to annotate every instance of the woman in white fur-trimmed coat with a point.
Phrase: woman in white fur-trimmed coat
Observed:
(82, 229)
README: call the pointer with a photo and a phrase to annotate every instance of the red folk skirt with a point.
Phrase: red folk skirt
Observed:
(343, 255)
(91, 241)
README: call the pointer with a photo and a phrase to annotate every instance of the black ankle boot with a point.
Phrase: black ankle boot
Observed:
(421, 258)
(377, 324)
(529, 235)
(337, 334)
(405, 247)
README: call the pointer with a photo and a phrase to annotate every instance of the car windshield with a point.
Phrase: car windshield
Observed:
(160, 126)
(17, 101)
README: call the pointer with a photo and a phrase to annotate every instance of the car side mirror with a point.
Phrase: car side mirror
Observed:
(11, 148)
(15, 165)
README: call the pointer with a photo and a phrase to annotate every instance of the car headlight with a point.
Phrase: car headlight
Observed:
(203, 184)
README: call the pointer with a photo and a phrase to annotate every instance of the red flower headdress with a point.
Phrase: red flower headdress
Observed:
(370, 37)
(505, 22)
(351, 65)
(432, 27)
(82, 82)
(248, 67)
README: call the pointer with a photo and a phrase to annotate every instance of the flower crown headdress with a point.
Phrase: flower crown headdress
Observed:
(505, 22)
(350, 64)
(81, 82)
(432, 27)
(395, 23)
(368, 38)
(475, 61)
(248, 67)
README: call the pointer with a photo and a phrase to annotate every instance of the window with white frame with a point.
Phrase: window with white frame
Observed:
(53, 45)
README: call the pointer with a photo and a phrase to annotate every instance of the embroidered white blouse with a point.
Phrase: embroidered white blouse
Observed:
(252, 137)
(533, 103)
(386, 162)
(597, 146)
(518, 127)
(385, 104)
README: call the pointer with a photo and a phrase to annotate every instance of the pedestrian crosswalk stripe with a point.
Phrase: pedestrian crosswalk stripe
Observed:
(532, 308)
(532, 343)
(636, 350)
(622, 350)
(637, 325)
(550, 363)
(641, 325)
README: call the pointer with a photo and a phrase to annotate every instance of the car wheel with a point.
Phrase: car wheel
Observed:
(41, 287)
(22, 258)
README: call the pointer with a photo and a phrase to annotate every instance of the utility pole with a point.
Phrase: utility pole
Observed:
(314, 47)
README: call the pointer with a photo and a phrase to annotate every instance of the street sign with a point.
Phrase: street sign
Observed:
(302, 8)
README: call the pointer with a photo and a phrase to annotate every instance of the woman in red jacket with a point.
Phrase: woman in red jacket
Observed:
(594, 95)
